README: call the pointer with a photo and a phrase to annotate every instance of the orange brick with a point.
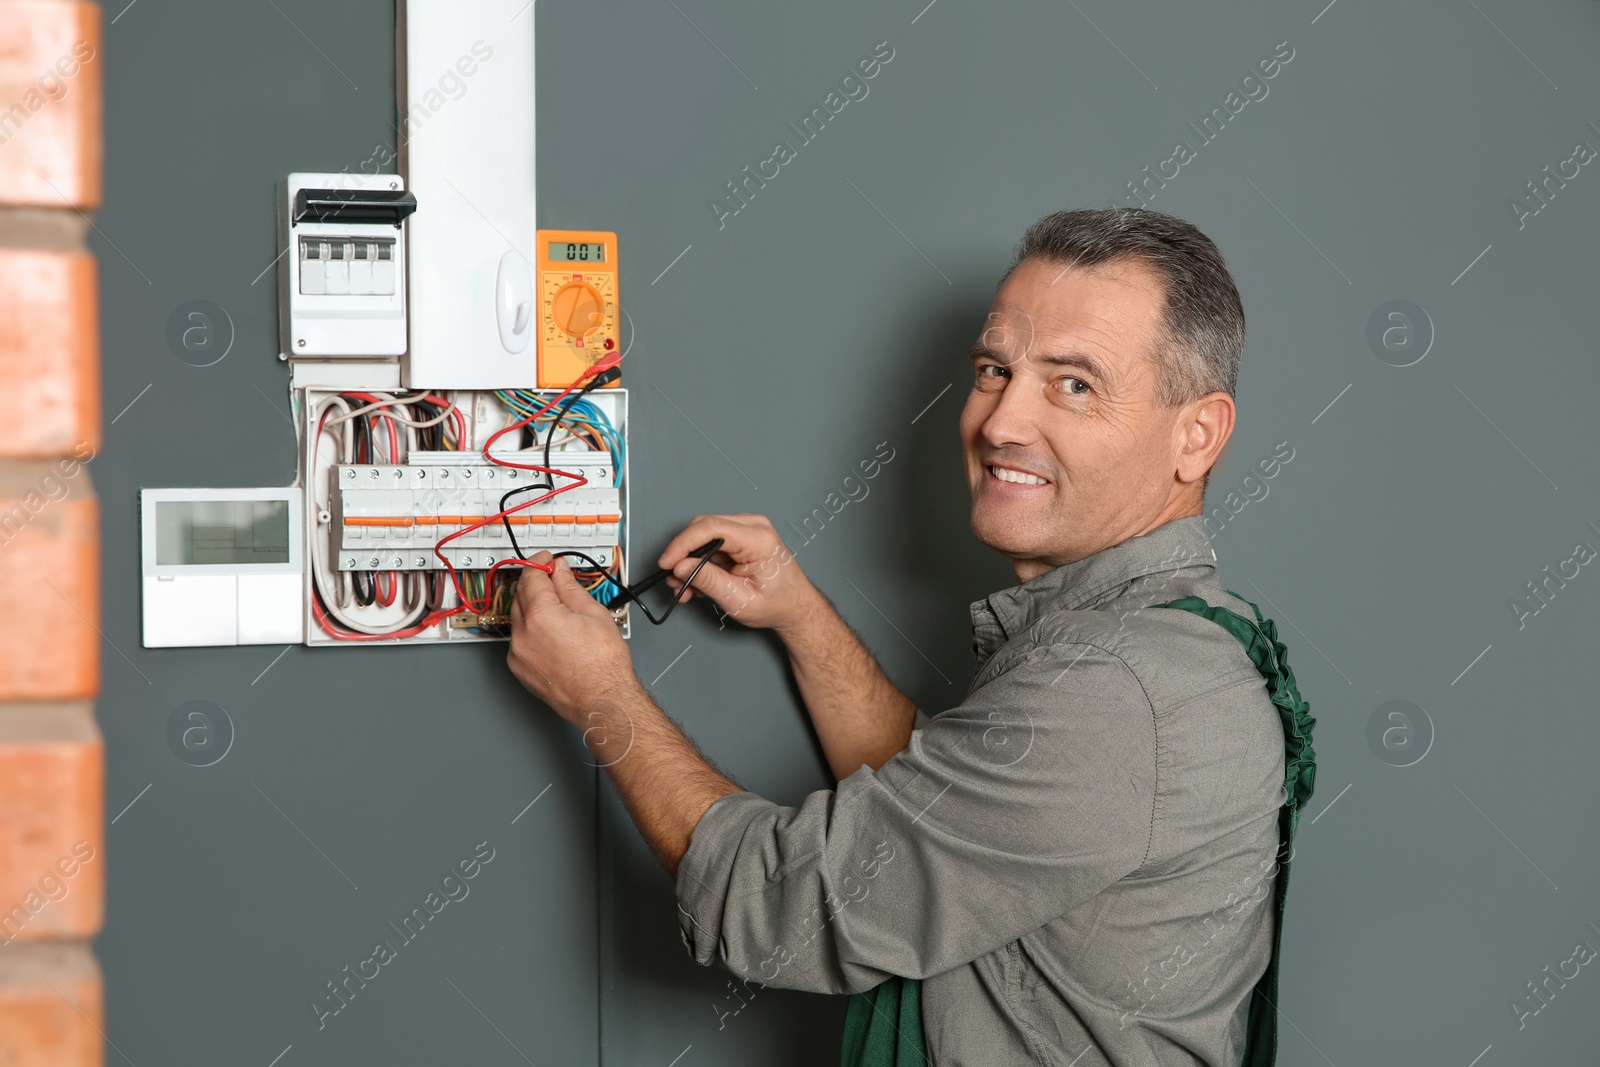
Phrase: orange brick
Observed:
(49, 350)
(52, 1006)
(50, 103)
(52, 840)
(49, 574)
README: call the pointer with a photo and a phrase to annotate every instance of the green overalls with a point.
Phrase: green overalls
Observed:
(883, 1026)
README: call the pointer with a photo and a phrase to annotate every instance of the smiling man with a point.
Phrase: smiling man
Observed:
(1083, 862)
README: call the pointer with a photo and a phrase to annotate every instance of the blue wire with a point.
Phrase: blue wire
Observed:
(525, 404)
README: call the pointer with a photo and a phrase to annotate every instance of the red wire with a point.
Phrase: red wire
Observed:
(461, 427)
(384, 597)
(428, 621)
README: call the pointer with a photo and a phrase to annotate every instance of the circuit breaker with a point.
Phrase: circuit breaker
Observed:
(342, 271)
(438, 508)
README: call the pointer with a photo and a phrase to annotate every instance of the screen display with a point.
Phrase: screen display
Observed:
(222, 531)
(577, 252)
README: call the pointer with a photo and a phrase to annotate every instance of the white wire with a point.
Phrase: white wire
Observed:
(386, 400)
(561, 442)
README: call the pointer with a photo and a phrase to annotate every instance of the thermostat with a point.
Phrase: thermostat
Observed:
(222, 566)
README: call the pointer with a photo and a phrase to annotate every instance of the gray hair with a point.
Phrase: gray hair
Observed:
(1202, 325)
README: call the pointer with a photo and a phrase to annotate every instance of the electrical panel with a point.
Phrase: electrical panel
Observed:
(457, 408)
(410, 541)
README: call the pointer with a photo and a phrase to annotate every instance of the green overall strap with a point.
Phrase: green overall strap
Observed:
(883, 1026)
(1260, 640)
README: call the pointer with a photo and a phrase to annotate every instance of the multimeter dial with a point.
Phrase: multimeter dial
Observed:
(578, 309)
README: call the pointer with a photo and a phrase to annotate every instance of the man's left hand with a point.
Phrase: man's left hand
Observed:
(565, 647)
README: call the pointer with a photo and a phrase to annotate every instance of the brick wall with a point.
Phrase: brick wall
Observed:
(52, 762)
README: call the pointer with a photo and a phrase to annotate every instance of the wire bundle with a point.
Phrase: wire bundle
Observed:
(585, 421)
(374, 427)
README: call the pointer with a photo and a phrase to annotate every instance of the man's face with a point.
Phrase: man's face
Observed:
(1067, 451)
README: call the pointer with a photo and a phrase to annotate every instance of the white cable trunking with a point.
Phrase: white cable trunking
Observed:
(467, 152)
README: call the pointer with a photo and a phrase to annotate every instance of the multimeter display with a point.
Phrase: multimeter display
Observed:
(577, 252)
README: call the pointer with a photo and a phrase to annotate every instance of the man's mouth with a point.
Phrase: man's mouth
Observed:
(1015, 476)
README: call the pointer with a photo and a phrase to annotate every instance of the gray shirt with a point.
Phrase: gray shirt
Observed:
(1078, 860)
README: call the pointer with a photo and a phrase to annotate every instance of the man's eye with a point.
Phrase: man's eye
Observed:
(1071, 386)
(990, 371)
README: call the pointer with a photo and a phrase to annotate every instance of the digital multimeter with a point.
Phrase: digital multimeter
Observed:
(578, 308)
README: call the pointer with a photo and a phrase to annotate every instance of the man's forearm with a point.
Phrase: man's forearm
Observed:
(663, 780)
(859, 715)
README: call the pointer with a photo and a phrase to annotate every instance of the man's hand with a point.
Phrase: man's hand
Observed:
(861, 718)
(565, 646)
(754, 578)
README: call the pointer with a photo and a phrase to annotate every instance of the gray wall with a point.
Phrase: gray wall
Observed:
(1458, 859)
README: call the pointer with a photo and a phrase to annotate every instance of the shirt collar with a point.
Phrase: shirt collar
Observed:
(1178, 544)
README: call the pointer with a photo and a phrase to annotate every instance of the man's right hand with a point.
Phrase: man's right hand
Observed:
(860, 717)
(753, 578)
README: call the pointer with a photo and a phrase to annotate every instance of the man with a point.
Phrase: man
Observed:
(1078, 860)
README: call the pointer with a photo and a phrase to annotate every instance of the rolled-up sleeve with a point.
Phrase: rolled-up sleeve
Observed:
(1029, 798)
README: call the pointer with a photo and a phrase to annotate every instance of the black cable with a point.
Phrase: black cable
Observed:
(362, 440)
(506, 519)
(364, 597)
(419, 411)
(430, 438)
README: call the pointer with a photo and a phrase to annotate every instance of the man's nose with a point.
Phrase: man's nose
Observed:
(1015, 417)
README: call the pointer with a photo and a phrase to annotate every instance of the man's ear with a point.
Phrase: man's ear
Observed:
(1203, 428)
